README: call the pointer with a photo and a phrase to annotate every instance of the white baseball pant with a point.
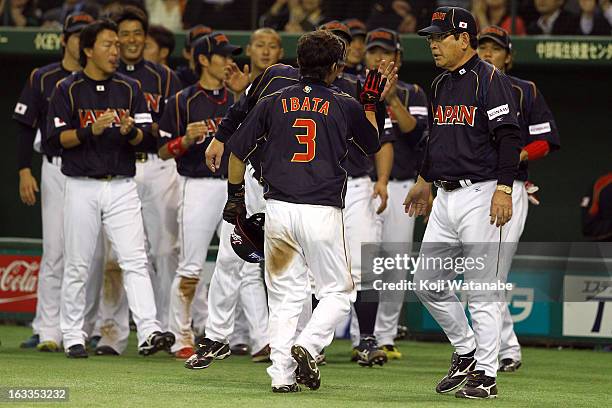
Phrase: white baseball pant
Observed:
(113, 205)
(459, 219)
(299, 237)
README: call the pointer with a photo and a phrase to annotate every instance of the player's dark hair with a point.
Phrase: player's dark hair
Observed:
(89, 35)
(317, 51)
(132, 13)
(473, 38)
(163, 37)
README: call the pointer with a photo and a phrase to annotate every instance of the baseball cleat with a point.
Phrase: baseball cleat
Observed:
(392, 352)
(508, 365)
(284, 389)
(155, 342)
(402, 333)
(77, 351)
(31, 342)
(457, 373)
(307, 372)
(478, 386)
(93, 342)
(106, 351)
(320, 359)
(207, 351)
(184, 353)
(262, 356)
(239, 349)
(47, 346)
(355, 354)
(369, 354)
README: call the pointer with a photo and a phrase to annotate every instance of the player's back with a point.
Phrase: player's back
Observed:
(307, 143)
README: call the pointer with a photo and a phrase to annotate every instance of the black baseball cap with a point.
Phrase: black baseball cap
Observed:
(338, 28)
(496, 34)
(356, 27)
(445, 19)
(383, 37)
(76, 22)
(215, 43)
(196, 32)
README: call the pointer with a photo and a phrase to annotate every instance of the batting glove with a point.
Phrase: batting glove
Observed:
(235, 206)
(369, 92)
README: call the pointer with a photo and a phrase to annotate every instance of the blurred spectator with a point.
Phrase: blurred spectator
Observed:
(466, 4)
(55, 17)
(553, 19)
(356, 51)
(19, 13)
(167, 13)
(591, 22)
(497, 12)
(396, 15)
(293, 16)
(159, 44)
(112, 7)
(221, 14)
(606, 7)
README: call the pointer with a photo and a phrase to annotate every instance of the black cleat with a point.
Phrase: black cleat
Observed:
(155, 342)
(478, 386)
(31, 342)
(206, 352)
(457, 373)
(368, 353)
(508, 365)
(307, 372)
(106, 351)
(284, 389)
(93, 342)
(77, 351)
(239, 349)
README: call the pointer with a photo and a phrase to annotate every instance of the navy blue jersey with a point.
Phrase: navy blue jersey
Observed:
(195, 104)
(409, 148)
(186, 76)
(33, 104)
(467, 106)
(157, 83)
(76, 103)
(535, 119)
(304, 131)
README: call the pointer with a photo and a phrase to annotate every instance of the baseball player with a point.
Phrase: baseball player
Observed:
(186, 73)
(185, 131)
(539, 137)
(472, 155)
(159, 44)
(354, 57)
(96, 118)
(407, 110)
(157, 185)
(31, 116)
(304, 182)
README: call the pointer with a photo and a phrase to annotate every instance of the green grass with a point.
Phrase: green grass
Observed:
(549, 377)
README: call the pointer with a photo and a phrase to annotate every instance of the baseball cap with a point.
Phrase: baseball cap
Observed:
(215, 43)
(356, 27)
(496, 34)
(445, 19)
(338, 28)
(196, 32)
(383, 37)
(76, 22)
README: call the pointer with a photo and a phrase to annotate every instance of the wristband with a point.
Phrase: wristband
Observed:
(84, 133)
(175, 147)
(235, 189)
(132, 134)
(369, 107)
(537, 150)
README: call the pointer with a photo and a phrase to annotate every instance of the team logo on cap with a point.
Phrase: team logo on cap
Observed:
(384, 35)
(494, 30)
(220, 38)
(438, 16)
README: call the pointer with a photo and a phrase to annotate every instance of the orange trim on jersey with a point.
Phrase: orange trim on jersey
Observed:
(600, 184)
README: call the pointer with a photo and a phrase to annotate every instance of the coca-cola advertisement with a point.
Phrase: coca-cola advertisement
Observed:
(18, 282)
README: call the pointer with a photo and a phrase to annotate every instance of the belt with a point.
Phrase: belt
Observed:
(401, 179)
(105, 177)
(358, 176)
(57, 160)
(142, 157)
(453, 185)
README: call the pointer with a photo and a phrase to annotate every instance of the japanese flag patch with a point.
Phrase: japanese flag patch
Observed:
(21, 108)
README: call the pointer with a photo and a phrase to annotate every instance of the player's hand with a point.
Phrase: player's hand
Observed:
(235, 206)
(235, 79)
(429, 207)
(28, 187)
(103, 122)
(417, 199)
(214, 153)
(126, 124)
(388, 72)
(531, 189)
(195, 132)
(380, 190)
(501, 208)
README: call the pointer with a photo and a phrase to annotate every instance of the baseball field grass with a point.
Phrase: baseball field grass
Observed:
(549, 377)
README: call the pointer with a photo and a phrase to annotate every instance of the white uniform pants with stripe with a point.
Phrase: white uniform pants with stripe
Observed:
(459, 227)
(299, 237)
(47, 321)
(114, 206)
(158, 191)
(235, 279)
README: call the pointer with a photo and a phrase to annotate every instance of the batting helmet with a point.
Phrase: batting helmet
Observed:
(247, 239)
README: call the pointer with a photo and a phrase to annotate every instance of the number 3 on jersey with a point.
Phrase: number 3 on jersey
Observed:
(307, 139)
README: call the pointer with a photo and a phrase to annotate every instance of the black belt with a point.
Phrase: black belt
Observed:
(401, 179)
(141, 156)
(104, 177)
(452, 185)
